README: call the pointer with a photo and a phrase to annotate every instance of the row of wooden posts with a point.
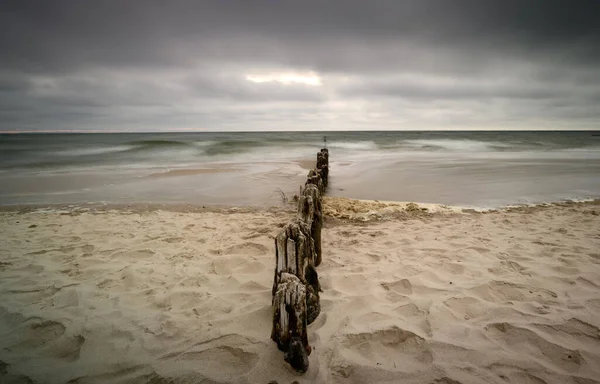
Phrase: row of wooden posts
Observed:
(296, 283)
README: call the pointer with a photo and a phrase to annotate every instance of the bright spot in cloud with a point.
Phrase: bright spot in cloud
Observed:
(287, 78)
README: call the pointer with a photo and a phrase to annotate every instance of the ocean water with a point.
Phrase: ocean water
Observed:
(479, 169)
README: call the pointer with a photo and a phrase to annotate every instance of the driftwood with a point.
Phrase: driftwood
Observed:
(289, 321)
(296, 285)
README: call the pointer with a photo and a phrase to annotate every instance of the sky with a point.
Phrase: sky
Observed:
(248, 65)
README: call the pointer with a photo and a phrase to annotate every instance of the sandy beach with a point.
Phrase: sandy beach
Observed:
(412, 294)
(299, 192)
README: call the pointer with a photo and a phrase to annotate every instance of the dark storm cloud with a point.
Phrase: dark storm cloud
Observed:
(161, 65)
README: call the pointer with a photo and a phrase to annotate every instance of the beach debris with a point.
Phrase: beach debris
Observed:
(284, 198)
(411, 207)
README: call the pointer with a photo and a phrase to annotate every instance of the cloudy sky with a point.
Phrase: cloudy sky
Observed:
(299, 65)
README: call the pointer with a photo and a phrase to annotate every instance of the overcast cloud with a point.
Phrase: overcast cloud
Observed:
(302, 65)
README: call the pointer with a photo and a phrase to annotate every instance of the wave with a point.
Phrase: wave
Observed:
(133, 146)
(95, 150)
(360, 145)
(455, 145)
(208, 148)
(228, 147)
(203, 144)
(158, 143)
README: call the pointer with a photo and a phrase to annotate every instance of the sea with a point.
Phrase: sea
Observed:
(469, 169)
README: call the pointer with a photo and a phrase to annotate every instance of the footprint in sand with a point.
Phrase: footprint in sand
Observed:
(416, 315)
(453, 268)
(502, 291)
(403, 286)
(351, 284)
(36, 334)
(508, 267)
(522, 340)
(410, 310)
(573, 330)
(220, 358)
(467, 308)
(88, 248)
(401, 350)
(247, 249)
(47, 338)
(373, 257)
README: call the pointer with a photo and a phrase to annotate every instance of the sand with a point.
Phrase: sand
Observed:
(190, 172)
(135, 295)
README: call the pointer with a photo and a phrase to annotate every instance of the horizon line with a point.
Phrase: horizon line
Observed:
(92, 131)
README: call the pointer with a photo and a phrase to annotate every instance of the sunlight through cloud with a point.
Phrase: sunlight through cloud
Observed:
(287, 78)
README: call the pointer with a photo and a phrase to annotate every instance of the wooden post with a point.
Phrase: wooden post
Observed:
(323, 165)
(314, 178)
(296, 285)
(295, 254)
(313, 215)
(289, 321)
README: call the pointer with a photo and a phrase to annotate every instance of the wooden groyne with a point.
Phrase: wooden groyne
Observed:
(296, 285)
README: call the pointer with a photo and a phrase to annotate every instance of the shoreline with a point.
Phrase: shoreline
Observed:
(334, 206)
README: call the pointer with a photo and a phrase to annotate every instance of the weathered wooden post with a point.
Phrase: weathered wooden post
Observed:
(295, 254)
(314, 177)
(289, 321)
(323, 165)
(296, 285)
(312, 196)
